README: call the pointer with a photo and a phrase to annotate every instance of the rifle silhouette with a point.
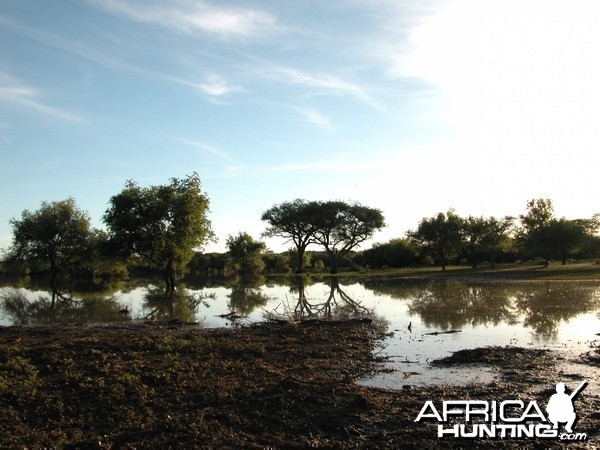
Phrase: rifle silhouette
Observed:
(578, 390)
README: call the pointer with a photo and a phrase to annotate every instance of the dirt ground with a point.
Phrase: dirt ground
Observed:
(274, 385)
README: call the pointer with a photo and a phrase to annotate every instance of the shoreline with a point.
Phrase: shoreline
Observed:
(279, 385)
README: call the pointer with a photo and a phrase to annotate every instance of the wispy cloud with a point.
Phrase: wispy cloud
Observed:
(28, 98)
(325, 83)
(215, 85)
(202, 146)
(314, 118)
(195, 17)
(70, 46)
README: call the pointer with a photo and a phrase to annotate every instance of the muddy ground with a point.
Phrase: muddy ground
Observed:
(275, 385)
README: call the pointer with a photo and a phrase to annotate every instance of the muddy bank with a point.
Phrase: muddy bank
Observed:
(275, 385)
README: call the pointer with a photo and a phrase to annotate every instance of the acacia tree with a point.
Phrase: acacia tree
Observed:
(340, 227)
(162, 224)
(439, 236)
(57, 236)
(293, 221)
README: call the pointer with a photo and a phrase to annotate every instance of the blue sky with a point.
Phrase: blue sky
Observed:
(412, 107)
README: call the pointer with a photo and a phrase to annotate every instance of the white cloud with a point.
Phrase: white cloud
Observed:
(217, 86)
(326, 82)
(202, 146)
(27, 98)
(196, 17)
(315, 118)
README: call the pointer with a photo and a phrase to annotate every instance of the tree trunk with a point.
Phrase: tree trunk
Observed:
(300, 261)
(53, 283)
(170, 277)
(333, 264)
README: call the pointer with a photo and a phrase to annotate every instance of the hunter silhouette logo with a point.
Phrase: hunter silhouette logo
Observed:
(560, 407)
(513, 419)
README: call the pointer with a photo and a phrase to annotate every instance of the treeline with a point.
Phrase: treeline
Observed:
(443, 239)
(164, 228)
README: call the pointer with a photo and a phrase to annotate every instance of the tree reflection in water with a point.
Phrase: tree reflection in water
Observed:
(246, 295)
(179, 304)
(63, 308)
(451, 304)
(545, 306)
(337, 304)
(541, 307)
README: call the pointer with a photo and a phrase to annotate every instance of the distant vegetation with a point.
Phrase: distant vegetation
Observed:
(163, 228)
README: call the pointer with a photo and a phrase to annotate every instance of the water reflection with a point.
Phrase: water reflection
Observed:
(540, 307)
(53, 308)
(451, 305)
(166, 305)
(337, 303)
(246, 295)
(545, 306)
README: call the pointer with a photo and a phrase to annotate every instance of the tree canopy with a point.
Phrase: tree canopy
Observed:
(56, 236)
(440, 236)
(246, 254)
(163, 224)
(547, 236)
(293, 221)
(340, 227)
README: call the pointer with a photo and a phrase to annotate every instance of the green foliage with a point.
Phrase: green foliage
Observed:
(544, 235)
(294, 260)
(439, 236)
(207, 263)
(293, 221)
(163, 224)
(56, 237)
(485, 238)
(246, 254)
(276, 262)
(395, 253)
(340, 227)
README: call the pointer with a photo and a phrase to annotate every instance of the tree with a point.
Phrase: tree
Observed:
(566, 237)
(398, 252)
(246, 254)
(294, 222)
(57, 235)
(162, 224)
(484, 238)
(439, 236)
(534, 235)
(339, 227)
(544, 235)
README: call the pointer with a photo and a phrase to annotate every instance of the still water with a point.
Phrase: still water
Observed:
(425, 321)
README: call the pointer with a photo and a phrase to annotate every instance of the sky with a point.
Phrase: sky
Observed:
(412, 107)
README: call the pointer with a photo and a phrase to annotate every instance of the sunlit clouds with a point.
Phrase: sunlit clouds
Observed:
(196, 17)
